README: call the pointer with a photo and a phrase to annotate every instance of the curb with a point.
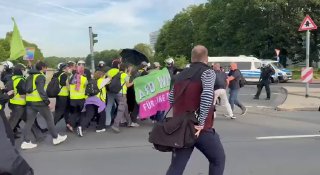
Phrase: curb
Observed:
(279, 108)
(296, 109)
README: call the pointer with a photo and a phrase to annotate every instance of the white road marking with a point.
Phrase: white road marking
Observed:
(264, 107)
(255, 94)
(287, 137)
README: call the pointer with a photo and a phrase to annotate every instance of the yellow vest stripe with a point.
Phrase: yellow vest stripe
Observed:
(17, 99)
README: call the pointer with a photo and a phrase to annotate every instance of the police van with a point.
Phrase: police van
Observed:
(281, 74)
(248, 65)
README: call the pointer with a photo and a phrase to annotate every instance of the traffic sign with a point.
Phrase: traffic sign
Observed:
(307, 24)
(306, 74)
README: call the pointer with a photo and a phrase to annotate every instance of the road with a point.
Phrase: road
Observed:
(130, 153)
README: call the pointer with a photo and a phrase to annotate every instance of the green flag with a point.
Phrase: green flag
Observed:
(16, 46)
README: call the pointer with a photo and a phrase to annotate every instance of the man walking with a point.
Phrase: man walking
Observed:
(38, 102)
(266, 73)
(220, 89)
(197, 83)
(234, 77)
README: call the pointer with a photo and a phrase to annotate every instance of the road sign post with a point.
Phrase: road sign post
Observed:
(307, 25)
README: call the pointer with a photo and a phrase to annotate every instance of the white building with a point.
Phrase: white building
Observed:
(153, 38)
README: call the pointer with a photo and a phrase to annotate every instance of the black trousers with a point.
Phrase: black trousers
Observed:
(134, 114)
(210, 145)
(61, 109)
(76, 115)
(7, 126)
(32, 112)
(262, 84)
(91, 110)
(19, 114)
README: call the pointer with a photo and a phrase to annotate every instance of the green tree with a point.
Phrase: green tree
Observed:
(105, 55)
(241, 27)
(146, 50)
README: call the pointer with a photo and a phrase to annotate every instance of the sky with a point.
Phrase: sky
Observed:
(60, 27)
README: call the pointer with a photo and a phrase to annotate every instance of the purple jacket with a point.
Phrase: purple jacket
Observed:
(94, 101)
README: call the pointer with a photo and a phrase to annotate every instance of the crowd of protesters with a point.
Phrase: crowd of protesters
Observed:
(25, 90)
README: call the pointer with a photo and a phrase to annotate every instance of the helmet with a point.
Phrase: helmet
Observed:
(7, 64)
(58, 66)
(81, 62)
(102, 62)
(144, 64)
(20, 66)
(169, 61)
(61, 66)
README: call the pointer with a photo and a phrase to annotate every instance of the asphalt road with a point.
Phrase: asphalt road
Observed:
(130, 153)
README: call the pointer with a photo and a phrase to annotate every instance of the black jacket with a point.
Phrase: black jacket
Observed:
(40, 83)
(10, 160)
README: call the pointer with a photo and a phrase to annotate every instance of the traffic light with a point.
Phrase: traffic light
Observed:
(93, 38)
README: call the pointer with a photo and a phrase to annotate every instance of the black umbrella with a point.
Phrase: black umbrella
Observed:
(133, 57)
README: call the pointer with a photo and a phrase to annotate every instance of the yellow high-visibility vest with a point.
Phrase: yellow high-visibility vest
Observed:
(122, 80)
(34, 96)
(17, 98)
(112, 72)
(81, 94)
(64, 92)
(103, 92)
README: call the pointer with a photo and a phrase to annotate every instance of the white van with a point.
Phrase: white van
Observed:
(281, 74)
(248, 65)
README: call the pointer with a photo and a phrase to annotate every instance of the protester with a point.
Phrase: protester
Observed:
(17, 103)
(62, 100)
(111, 97)
(234, 77)
(201, 90)
(38, 102)
(123, 112)
(220, 89)
(264, 81)
(77, 85)
(87, 72)
(95, 105)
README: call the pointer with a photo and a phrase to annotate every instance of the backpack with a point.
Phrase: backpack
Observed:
(115, 84)
(242, 80)
(54, 87)
(92, 88)
(29, 84)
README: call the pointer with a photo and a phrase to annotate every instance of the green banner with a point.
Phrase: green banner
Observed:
(150, 85)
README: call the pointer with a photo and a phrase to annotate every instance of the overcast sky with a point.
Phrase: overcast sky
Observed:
(60, 27)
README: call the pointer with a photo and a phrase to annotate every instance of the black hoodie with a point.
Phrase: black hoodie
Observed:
(40, 83)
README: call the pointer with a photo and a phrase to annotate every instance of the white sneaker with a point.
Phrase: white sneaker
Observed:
(227, 115)
(134, 124)
(233, 117)
(28, 145)
(101, 130)
(79, 131)
(59, 139)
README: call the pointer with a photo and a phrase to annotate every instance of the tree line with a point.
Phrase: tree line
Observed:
(241, 27)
